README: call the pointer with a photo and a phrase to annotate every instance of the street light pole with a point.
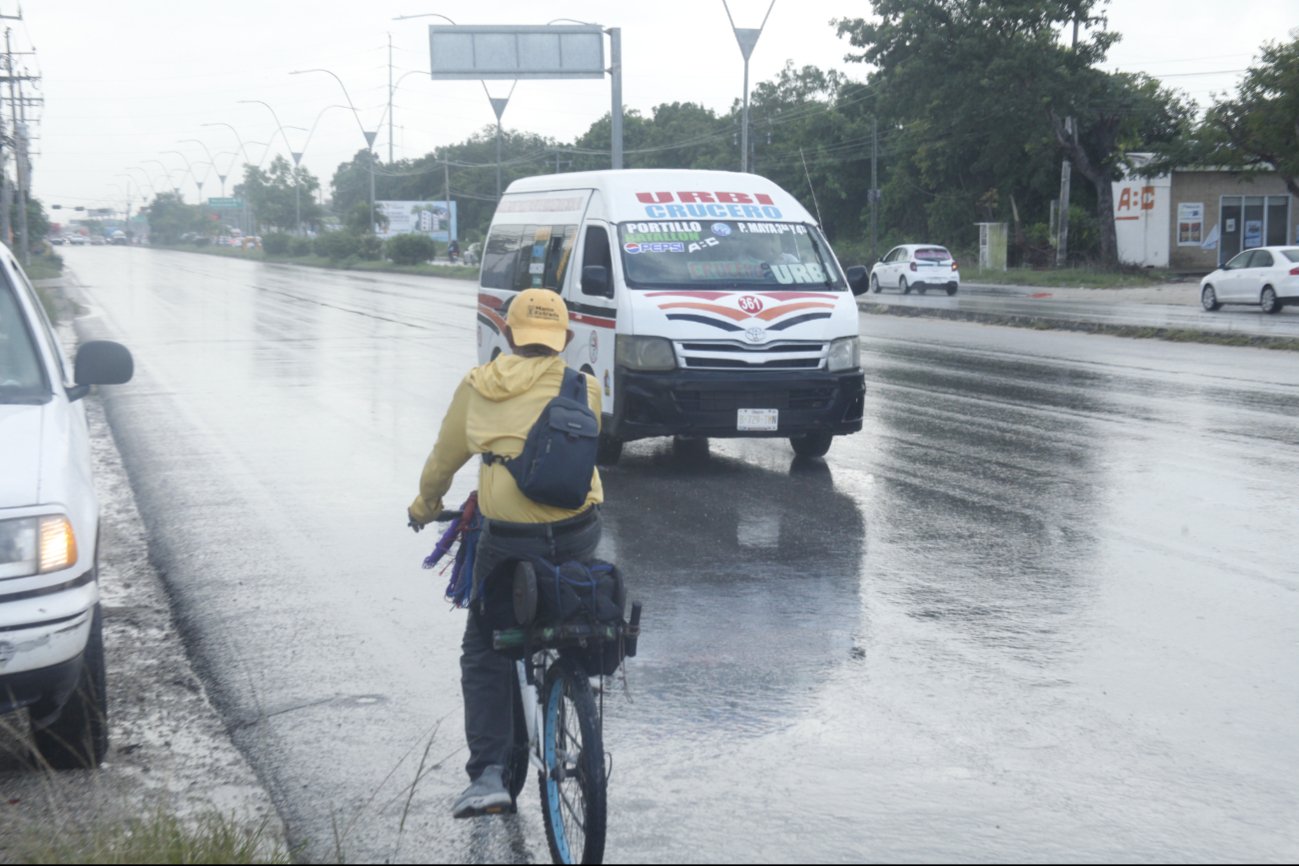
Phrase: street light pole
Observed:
(747, 38)
(210, 161)
(369, 136)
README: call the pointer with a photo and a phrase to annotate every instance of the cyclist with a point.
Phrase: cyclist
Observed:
(492, 411)
(453, 251)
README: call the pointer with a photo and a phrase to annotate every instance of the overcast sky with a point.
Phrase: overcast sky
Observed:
(123, 83)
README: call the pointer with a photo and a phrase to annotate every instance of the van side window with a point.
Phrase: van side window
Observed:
(557, 256)
(596, 249)
(500, 257)
(532, 257)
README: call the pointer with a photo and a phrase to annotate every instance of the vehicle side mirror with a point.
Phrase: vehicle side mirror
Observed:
(595, 281)
(101, 362)
(858, 279)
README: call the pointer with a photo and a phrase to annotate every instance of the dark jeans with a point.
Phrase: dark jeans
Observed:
(486, 676)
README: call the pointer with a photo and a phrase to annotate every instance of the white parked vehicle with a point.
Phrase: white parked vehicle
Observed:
(1267, 276)
(705, 303)
(51, 627)
(916, 266)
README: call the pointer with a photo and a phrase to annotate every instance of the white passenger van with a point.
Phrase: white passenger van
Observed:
(705, 303)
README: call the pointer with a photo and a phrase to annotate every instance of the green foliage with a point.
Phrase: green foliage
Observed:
(1259, 126)
(158, 838)
(337, 246)
(276, 243)
(370, 247)
(300, 246)
(170, 218)
(361, 220)
(281, 197)
(411, 249)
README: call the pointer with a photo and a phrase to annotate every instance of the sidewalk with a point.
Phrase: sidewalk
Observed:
(1186, 293)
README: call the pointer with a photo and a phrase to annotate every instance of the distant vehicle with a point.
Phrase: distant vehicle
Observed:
(58, 240)
(79, 240)
(916, 266)
(119, 237)
(51, 624)
(97, 240)
(1267, 276)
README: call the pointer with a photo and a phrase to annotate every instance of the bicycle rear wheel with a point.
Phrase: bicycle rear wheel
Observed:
(574, 785)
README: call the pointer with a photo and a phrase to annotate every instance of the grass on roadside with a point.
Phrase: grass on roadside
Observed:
(44, 267)
(1071, 278)
(158, 838)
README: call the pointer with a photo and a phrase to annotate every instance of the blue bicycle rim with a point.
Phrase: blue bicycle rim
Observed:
(552, 787)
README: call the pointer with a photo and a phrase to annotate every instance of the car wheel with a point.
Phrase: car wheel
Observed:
(1268, 302)
(903, 287)
(1209, 299)
(78, 738)
(951, 290)
(922, 289)
(875, 284)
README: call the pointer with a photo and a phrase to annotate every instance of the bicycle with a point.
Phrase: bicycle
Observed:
(558, 721)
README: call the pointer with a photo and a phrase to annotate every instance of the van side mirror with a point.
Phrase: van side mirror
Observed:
(858, 280)
(595, 281)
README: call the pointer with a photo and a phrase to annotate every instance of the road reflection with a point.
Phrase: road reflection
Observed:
(751, 583)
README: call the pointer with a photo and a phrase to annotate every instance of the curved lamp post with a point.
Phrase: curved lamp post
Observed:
(369, 136)
(210, 161)
(188, 167)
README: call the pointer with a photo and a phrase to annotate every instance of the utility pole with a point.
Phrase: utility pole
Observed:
(389, 99)
(875, 191)
(6, 191)
(22, 169)
(1066, 171)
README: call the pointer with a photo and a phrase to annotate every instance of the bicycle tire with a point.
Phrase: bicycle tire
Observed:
(518, 766)
(574, 790)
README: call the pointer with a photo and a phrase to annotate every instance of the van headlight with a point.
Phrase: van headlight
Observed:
(36, 545)
(845, 354)
(645, 353)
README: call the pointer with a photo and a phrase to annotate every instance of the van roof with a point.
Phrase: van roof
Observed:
(663, 193)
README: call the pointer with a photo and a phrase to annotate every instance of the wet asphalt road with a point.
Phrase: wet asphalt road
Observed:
(1044, 607)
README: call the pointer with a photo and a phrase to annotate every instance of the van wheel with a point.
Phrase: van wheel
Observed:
(811, 444)
(608, 451)
(903, 287)
(951, 290)
(875, 284)
(78, 738)
(922, 289)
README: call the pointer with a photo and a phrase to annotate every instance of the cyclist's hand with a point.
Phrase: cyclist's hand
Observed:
(414, 522)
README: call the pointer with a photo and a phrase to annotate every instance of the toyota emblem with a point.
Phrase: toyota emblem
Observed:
(755, 335)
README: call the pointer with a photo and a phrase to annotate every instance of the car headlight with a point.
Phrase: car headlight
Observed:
(845, 354)
(36, 545)
(645, 353)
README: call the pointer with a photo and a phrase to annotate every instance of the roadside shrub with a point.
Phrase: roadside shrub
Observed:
(337, 246)
(300, 247)
(370, 247)
(411, 249)
(276, 243)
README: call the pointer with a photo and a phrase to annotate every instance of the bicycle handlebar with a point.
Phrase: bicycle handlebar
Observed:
(447, 516)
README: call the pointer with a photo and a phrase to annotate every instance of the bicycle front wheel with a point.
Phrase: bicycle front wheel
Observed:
(574, 785)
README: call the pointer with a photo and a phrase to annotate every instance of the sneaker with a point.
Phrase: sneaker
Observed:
(486, 796)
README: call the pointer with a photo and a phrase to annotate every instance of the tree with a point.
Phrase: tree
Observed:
(1260, 125)
(973, 97)
(169, 218)
(282, 197)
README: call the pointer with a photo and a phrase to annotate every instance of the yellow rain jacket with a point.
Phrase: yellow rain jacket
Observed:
(493, 409)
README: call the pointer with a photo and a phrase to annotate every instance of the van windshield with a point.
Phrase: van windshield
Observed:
(727, 254)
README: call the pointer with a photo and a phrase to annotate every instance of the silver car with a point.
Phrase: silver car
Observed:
(1267, 276)
(916, 266)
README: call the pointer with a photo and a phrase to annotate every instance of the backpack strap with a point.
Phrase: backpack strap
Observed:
(573, 382)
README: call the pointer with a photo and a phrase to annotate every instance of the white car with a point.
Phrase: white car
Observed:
(916, 266)
(1267, 276)
(51, 627)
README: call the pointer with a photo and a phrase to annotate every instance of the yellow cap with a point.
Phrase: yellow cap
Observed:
(539, 316)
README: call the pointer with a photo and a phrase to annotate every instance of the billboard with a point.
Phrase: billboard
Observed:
(437, 219)
(516, 51)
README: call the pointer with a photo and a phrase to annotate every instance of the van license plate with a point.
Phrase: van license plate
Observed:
(757, 419)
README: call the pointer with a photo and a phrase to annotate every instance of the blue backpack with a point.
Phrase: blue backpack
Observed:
(558, 456)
